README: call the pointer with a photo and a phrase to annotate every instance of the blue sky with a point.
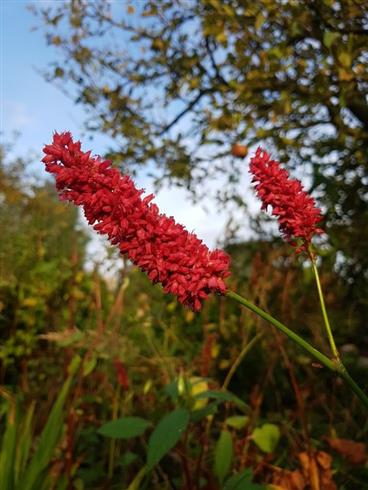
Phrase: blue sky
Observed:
(29, 104)
(36, 108)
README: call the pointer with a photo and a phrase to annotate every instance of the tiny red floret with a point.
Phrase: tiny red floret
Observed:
(295, 209)
(162, 248)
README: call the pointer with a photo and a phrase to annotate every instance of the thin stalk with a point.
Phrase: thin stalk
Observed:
(334, 365)
(284, 329)
(239, 359)
(115, 413)
(330, 336)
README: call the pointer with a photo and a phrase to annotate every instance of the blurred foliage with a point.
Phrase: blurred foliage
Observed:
(41, 263)
(152, 404)
(17, 470)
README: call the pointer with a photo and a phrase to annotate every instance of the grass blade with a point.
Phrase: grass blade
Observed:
(7, 456)
(49, 438)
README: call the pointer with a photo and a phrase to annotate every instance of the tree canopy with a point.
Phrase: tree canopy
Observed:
(177, 83)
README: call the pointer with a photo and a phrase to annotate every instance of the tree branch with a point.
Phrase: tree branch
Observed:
(360, 110)
(213, 63)
(188, 108)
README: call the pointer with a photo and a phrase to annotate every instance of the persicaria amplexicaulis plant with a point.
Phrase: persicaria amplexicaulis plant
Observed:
(166, 251)
(162, 248)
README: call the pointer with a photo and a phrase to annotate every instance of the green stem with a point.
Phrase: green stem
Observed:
(330, 336)
(239, 359)
(115, 413)
(284, 329)
(353, 386)
(334, 365)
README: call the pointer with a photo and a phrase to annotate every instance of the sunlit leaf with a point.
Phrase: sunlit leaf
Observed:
(237, 421)
(266, 437)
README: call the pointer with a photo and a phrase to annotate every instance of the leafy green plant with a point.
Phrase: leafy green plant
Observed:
(18, 469)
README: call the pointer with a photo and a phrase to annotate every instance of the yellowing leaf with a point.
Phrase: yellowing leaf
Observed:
(215, 350)
(221, 37)
(344, 58)
(30, 302)
(237, 421)
(181, 384)
(224, 364)
(345, 75)
(197, 386)
(260, 18)
(56, 40)
(147, 386)
(189, 316)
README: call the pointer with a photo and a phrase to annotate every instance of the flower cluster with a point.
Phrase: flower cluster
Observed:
(295, 209)
(164, 249)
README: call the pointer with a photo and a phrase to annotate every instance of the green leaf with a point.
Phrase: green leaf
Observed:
(242, 481)
(50, 435)
(237, 421)
(89, 365)
(128, 458)
(266, 437)
(166, 435)
(172, 389)
(224, 396)
(329, 38)
(24, 442)
(7, 455)
(223, 455)
(124, 428)
(201, 413)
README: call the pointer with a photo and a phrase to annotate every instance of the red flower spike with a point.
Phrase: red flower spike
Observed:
(162, 248)
(296, 211)
(121, 373)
